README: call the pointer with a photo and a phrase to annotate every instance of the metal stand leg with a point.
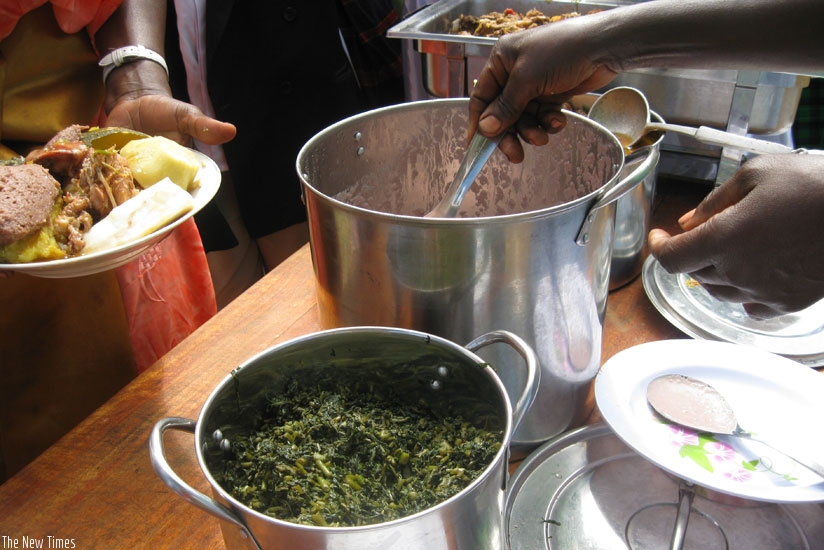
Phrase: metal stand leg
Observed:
(686, 494)
(738, 122)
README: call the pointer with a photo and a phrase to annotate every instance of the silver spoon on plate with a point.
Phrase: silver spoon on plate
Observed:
(696, 404)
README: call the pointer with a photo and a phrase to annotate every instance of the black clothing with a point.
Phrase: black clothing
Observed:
(279, 72)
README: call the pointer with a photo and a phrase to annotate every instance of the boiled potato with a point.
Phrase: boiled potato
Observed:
(154, 158)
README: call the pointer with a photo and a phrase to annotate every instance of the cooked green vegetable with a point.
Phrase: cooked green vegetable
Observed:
(346, 457)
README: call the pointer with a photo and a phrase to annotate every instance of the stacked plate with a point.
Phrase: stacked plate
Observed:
(685, 304)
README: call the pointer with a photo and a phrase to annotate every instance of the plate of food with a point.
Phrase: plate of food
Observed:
(772, 396)
(689, 307)
(94, 199)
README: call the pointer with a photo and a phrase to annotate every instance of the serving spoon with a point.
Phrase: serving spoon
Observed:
(625, 112)
(696, 404)
(479, 150)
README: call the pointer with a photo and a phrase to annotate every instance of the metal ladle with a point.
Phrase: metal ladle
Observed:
(479, 150)
(695, 404)
(625, 112)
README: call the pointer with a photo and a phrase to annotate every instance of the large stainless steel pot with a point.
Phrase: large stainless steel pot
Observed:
(530, 254)
(431, 368)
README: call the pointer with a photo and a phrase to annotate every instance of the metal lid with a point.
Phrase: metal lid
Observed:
(587, 490)
(688, 306)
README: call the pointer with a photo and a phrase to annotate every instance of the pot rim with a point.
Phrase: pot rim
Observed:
(468, 221)
(244, 511)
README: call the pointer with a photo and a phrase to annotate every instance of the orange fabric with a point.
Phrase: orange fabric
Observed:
(71, 15)
(167, 293)
(48, 80)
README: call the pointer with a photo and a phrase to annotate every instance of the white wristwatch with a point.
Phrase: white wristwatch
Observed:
(127, 54)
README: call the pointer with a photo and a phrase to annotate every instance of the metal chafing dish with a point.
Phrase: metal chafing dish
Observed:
(742, 102)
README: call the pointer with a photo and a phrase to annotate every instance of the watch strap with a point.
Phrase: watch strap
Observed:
(128, 54)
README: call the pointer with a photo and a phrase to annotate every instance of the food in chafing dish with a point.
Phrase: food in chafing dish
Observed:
(500, 23)
(52, 200)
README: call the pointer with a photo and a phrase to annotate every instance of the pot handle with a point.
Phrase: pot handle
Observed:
(533, 372)
(620, 189)
(176, 483)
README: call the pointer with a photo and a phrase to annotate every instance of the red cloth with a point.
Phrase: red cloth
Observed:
(71, 15)
(167, 293)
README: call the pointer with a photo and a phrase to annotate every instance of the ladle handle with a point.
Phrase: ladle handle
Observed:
(712, 136)
(533, 371)
(479, 150)
(615, 192)
(175, 482)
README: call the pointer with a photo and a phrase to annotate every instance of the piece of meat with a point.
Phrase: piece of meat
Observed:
(63, 159)
(72, 222)
(69, 134)
(63, 154)
(28, 194)
(107, 180)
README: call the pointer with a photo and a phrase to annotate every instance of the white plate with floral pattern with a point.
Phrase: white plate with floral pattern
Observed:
(776, 398)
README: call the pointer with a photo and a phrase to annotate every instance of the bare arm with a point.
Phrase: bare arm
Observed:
(529, 73)
(755, 240)
(732, 34)
(137, 93)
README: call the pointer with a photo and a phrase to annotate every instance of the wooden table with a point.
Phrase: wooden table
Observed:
(96, 486)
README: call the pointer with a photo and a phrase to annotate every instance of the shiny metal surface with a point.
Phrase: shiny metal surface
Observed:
(633, 214)
(419, 365)
(633, 211)
(715, 98)
(586, 490)
(625, 112)
(477, 153)
(760, 103)
(685, 304)
(509, 261)
(739, 102)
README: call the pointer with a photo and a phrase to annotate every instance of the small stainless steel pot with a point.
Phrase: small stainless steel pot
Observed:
(432, 368)
(633, 211)
(633, 217)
